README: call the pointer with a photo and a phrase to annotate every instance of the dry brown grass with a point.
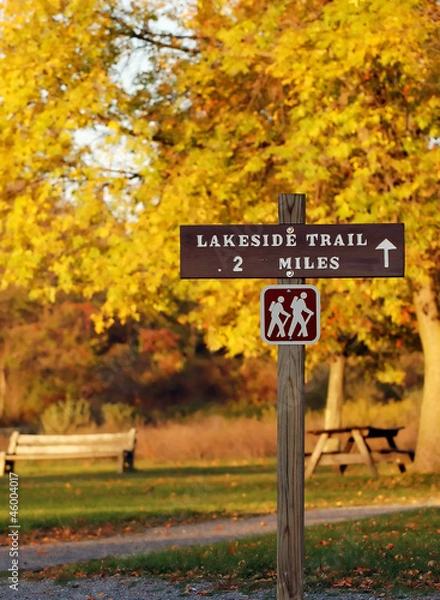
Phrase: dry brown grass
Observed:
(209, 438)
(217, 437)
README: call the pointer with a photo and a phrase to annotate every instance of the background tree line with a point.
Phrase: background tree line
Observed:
(51, 354)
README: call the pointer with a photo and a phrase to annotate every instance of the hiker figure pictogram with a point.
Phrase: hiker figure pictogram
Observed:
(301, 315)
(290, 314)
(276, 311)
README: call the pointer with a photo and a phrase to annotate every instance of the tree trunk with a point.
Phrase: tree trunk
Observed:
(335, 399)
(427, 450)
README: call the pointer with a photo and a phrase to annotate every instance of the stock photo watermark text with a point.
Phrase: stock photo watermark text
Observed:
(13, 533)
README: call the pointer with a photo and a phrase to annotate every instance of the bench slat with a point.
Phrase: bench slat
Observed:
(75, 439)
(71, 450)
(356, 458)
(341, 459)
(389, 456)
(48, 456)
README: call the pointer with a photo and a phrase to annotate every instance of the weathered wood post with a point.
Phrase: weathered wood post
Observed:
(290, 541)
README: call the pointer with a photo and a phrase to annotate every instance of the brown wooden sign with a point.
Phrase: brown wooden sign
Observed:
(286, 251)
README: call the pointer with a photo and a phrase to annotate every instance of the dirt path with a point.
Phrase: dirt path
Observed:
(35, 558)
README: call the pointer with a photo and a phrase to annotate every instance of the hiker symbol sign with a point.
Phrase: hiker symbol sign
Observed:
(290, 314)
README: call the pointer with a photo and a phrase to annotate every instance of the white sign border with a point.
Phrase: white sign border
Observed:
(292, 287)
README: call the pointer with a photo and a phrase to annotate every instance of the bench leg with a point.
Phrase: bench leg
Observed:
(363, 449)
(346, 450)
(392, 444)
(401, 461)
(9, 466)
(401, 466)
(128, 460)
(316, 455)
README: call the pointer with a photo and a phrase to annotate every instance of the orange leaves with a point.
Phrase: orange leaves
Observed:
(389, 546)
(157, 340)
(345, 582)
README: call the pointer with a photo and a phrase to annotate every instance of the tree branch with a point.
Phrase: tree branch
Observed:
(156, 39)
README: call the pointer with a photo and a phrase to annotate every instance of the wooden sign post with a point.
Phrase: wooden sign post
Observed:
(290, 448)
(289, 252)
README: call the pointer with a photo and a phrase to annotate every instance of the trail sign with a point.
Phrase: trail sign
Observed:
(290, 314)
(286, 251)
(290, 252)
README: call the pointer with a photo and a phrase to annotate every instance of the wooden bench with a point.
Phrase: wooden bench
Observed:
(55, 447)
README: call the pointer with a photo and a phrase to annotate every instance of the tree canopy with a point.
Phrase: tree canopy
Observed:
(229, 104)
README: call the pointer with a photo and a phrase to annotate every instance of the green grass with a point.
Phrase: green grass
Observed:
(400, 550)
(71, 501)
(68, 501)
(387, 553)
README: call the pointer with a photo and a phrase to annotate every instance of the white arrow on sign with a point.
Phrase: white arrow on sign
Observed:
(386, 246)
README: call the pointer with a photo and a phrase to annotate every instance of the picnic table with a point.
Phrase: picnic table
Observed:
(357, 449)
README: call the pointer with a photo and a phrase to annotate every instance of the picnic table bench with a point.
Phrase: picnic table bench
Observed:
(357, 449)
(55, 447)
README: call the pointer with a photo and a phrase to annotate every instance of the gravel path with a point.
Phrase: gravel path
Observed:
(142, 589)
(35, 558)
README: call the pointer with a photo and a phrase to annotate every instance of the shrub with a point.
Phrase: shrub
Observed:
(66, 416)
(117, 415)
